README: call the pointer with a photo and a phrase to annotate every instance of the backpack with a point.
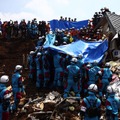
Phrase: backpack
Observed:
(92, 111)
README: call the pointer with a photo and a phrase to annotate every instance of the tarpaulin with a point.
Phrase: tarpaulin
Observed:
(50, 39)
(62, 24)
(91, 50)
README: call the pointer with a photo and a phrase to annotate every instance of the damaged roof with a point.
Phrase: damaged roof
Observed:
(114, 21)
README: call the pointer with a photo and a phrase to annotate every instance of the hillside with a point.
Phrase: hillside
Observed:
(14, 52)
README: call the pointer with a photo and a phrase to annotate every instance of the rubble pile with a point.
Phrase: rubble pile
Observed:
(115, 67)
(50, 107)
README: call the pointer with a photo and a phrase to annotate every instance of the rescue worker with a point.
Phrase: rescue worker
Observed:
(91, 105)
(58, 66)
(5, 95)
(31, 63)
(95, 66)
(80, 64)
(39, 71)
(40, 41)
(46, 68)
(56, 43)
(112, 104)
(106, 76)
(17, 86)
(72, 75)
(90, 74)
(97, 69)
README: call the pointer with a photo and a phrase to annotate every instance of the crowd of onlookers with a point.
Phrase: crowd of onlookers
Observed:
(27, 30)
(34, 29)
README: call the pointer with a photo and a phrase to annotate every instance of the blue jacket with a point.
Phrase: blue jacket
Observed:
(93, 100)
(113, 104)
(72, 70)
(17, 80)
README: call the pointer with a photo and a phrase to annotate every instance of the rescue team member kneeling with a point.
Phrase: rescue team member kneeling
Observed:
(91, 105)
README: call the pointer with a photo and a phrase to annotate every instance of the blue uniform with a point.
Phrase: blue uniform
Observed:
(31, 63)
(106, 75)
(17, 88)
(58, 60)
(91, 75)
(90, 100)
(2, 87)
(4, 102)
(39, 71)
(72, 71)
(112, 107)
(97, 68)
(80, 65)
(46, 69)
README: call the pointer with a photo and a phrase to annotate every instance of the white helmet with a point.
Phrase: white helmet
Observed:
(4, 79)
(95, 62)
(100, 72)
(43, 37)
(40, 38)
(93, 88)
(110, 89)
(32, 52)
(38, 54)
(89, 65)
(64, 43)
(18, 67)
(56, 41)
(80, 56)
(50, 32)
(0, 32)
(107, 64)
(74, 60)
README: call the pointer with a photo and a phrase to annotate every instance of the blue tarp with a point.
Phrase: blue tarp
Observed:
(91, 50)
(50, 39)
(61, 24)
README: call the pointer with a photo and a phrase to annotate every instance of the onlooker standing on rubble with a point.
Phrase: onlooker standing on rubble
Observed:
(15, 29)
(72, 75)
(29, 29)
(5, 95)
(34, 28)
(17, 86)
(91, 105)
(112, 104)
(22, 27)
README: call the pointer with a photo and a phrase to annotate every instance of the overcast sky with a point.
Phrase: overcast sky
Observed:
(53, 9)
